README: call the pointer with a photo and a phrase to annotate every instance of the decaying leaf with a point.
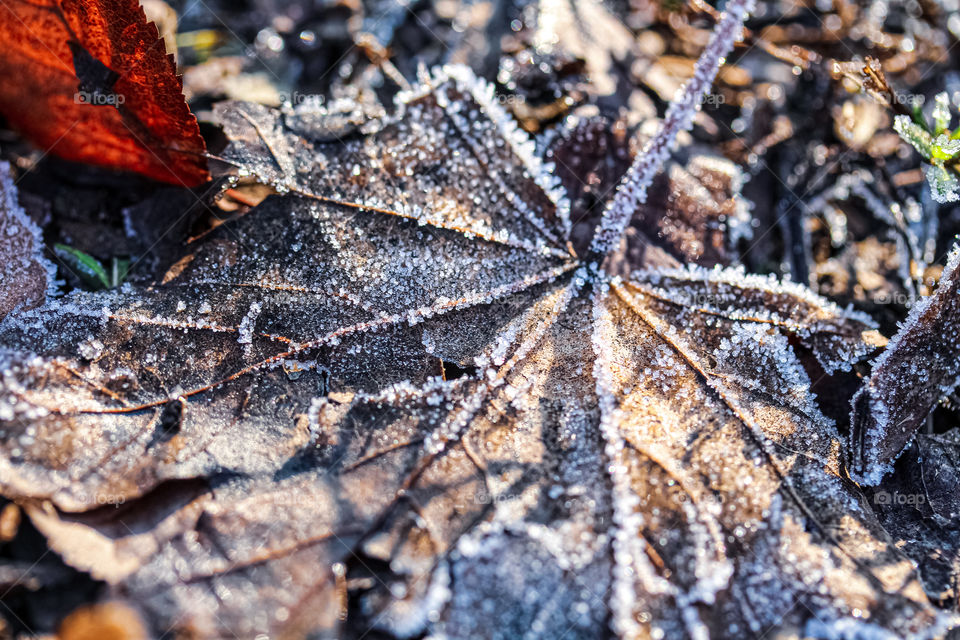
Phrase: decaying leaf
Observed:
(918, 506)
(27, 277)
(90, 81)
(757, 487)
(395, 397)
(918, 368)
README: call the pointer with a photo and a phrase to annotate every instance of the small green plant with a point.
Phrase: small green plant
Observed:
(939, 146)
(90, 270)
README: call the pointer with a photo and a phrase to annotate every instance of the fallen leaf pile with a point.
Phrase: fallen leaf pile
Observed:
(404, 396)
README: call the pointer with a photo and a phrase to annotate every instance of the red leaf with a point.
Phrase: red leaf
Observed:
(91, 81)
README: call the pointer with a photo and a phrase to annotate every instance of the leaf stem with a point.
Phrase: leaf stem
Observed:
(632, 190)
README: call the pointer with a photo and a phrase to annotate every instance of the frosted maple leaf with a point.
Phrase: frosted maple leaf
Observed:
(395, 398)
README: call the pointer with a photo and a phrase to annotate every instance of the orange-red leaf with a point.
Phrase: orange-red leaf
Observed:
(90, 80)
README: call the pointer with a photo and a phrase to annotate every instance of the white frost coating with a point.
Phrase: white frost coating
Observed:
(944, 186)
(630, 559)
(746, 340)
(874, 471)
(854, 629)
(632, 190)
(480, 145)
(245, 330)
(491, 131)
(435, 387)
(496, 367)
(840, 357)
(953, 261)
(556, 542)
(522, 146)
(11, 393)
(791, 382)
(412, 316)
(737, 276)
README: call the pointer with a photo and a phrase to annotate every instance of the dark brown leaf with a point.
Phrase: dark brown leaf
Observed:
(27, 276)
(918, 505)
(919, 367)
(307, 399)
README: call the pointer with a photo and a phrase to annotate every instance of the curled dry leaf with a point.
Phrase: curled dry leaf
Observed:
(90, 81)
(27, 276)
(395, 397)
(919, 367)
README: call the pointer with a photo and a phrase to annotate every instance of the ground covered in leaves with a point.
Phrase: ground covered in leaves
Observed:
(480, 319)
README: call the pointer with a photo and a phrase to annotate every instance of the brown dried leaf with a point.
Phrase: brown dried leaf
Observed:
(396, 398)
(695, 212)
